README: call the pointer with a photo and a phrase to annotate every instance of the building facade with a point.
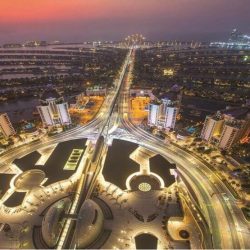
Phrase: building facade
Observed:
(5, 126)
(212, 127)
(228, 136)
(226, 128)
(53, 110)
(162, 114)
(153, 114)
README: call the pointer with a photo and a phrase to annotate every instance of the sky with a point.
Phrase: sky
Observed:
(88, 20)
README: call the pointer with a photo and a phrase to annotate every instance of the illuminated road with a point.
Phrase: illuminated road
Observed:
(227, 224)
(226, 221)
(93, 167)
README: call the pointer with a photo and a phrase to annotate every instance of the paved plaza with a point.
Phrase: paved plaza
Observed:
(135, 199)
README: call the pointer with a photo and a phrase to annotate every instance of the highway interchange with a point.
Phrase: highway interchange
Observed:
(226, 222)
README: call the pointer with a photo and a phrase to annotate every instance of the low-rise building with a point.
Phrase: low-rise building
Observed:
(143, 92)
(96, 90)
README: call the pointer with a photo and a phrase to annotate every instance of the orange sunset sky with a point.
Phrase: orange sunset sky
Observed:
(77, 20)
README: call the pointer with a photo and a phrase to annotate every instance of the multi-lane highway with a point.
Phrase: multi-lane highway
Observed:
(227, 224)
(92, 166)
(225, 219)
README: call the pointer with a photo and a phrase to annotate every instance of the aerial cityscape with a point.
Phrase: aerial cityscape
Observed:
(125, 124)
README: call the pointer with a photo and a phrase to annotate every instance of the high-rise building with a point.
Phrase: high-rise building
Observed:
(228, 136)
(153, 113)
(6, 126)
(212, 127)
(162, 115)
(164, 111)
(233, 131)
(53, 110)
(171, 115)
(168, 114)
(227, 127)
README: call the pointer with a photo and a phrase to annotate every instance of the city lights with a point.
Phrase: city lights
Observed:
(124, 125)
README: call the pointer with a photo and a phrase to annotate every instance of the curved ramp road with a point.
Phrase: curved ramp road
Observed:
(225, 219)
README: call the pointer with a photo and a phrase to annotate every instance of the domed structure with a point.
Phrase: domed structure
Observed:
(51, 225)
(29, 179)
(89, 223)
(144, 183)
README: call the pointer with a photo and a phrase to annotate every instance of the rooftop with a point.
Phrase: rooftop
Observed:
(51, 93)
(237, 113)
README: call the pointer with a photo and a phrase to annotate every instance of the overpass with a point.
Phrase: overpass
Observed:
(224, 217)
(91, 170)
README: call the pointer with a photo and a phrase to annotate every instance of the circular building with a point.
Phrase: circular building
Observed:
(28, 180)
(52, 221)
(89, 224)
(143, 183)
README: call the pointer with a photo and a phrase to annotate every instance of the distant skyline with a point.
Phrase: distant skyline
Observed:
(87, 20)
